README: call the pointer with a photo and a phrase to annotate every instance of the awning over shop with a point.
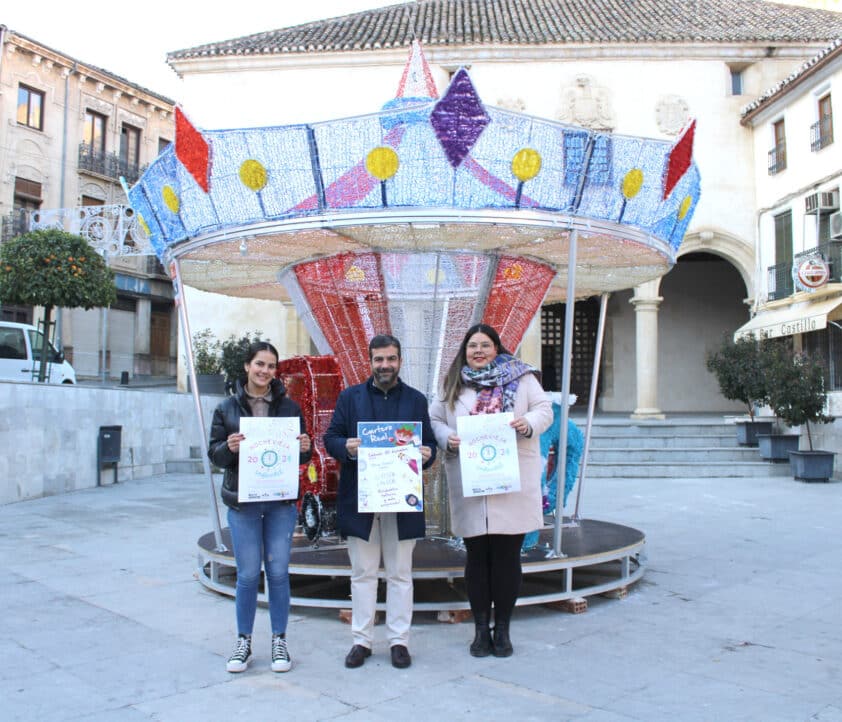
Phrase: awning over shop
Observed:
(802, 317)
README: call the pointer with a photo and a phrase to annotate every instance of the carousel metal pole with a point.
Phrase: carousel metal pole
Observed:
(567, 351)
(194, 387)
(600, 335)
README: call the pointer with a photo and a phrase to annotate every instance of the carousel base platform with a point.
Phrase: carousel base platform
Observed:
(599, 558)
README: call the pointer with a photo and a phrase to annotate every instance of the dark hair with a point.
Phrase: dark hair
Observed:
(258, 346)
(383, 340)
(452, 386)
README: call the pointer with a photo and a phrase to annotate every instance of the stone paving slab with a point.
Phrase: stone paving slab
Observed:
(736, 618)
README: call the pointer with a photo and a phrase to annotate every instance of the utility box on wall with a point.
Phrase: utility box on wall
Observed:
(108, 450)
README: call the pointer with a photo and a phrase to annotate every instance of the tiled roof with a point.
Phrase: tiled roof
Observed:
(539, 22)
(834, 50)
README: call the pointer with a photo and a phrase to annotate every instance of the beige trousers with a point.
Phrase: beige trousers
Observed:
(397, 562)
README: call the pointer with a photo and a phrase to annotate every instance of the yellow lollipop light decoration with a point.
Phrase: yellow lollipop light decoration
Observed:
(253, 175)
(382, 162)
(526, 164)
(632, 183)
(170, 199)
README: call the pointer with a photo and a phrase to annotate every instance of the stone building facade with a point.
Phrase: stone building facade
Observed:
(68, 132)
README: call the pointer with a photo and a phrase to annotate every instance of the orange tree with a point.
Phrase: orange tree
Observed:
(52, 268)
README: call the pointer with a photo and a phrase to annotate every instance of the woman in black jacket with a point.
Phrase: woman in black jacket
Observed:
(262, 529)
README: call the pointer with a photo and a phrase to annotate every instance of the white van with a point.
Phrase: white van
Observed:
(20, 356)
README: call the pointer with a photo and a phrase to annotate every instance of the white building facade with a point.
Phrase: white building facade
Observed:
(616, 69)
(798, 176)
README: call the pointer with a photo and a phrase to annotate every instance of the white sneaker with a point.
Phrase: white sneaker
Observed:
(239, 659)
(280, 654)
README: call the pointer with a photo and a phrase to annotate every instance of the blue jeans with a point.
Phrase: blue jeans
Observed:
(262, 530)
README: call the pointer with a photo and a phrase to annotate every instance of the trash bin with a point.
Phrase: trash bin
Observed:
(108, 450)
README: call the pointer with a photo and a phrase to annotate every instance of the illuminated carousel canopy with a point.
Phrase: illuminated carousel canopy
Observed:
(431, 209)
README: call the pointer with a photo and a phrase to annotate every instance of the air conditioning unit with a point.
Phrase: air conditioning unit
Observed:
(836, 225)
(823, 202)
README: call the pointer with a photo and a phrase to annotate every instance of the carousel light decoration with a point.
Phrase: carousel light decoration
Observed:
(418, 220)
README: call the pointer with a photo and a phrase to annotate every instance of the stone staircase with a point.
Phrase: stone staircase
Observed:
(688, 447)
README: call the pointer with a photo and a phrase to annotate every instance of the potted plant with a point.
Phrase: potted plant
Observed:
(798, 397)
(233, 354)
(739, 369)
(207, 362)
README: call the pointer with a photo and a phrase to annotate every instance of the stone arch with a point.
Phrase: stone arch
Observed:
(720, 243)
(93, 190)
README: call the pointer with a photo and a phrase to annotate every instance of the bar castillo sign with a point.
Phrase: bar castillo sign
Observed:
(811, 273)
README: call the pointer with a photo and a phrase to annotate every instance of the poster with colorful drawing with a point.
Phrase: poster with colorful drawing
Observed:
(389, 466)
(488, 454)
(269, 456)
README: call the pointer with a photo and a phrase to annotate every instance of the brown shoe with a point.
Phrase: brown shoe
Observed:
(400, 657)
(356, 657)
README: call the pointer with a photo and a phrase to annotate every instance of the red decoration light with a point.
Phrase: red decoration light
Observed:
(192, 149)
(679, 159)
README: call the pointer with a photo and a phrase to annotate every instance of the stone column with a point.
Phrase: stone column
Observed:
(142, 336)
(646, 302)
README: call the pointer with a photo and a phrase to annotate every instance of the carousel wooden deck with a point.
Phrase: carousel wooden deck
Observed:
(599, 557)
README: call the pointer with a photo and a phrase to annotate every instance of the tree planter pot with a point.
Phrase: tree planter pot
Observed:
(776, 447)
(811, 465)
(747, 431)
(210, 384)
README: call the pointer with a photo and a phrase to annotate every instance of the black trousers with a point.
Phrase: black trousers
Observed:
(493, 574)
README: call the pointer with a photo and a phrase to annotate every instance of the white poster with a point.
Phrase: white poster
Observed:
(389, 476)
(269, 458)
(488, 454)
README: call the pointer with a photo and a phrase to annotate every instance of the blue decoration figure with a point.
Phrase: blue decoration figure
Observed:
(549, 452)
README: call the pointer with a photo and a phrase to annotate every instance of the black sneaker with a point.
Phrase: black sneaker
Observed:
(280, 654)
(239, 659)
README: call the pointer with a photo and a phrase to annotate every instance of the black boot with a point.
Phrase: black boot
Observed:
(481, 646)
(502, 645)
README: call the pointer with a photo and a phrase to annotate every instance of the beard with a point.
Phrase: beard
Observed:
(385, 376)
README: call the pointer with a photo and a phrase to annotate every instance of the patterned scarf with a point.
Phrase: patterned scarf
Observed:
(497, 383)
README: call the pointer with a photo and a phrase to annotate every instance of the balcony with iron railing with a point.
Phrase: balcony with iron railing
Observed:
(821, 133)
(777, 159)
(780, 280)
(14, 224)
(108, 164)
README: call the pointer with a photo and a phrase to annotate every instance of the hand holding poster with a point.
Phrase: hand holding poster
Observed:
(269, 456)
(488, 454)
(389, 472)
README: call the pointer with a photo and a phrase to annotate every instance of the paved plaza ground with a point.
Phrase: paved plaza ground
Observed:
(738, 617)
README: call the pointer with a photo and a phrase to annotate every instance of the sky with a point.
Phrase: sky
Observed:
(135, 43)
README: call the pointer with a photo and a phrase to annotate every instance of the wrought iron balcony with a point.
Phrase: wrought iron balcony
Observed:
(14, 224)
(108, 164)
(780, 275)
(777, 159)
(821, 133)
(780, 280)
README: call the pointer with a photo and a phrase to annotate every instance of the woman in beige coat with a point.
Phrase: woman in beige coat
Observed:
(485, 379)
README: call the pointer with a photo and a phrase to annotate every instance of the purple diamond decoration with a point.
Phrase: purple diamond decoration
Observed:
(459, 118)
